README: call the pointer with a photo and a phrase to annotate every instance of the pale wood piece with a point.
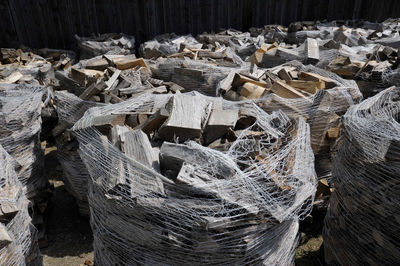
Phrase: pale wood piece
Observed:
(308, 86)
(329, 83)
(286, 91)
(312, 51)
(219, 123)
(136, 145)
(185, 119)
(126, 63)
(252, 91)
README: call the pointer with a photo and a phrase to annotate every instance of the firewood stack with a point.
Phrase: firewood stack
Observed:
(199, 180)
(318, 96)
(18, 66)
(362, 224)
(20, 110)
(109, 43)
(70, 109)
(18, 237)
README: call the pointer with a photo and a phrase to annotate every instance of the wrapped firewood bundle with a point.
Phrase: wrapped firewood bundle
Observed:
(362, 223)
(318, 96)
(201, 180)
(108, 43)
(193, 75)
(70, 109)
(20, 125)
(169, 44)
(18, 237)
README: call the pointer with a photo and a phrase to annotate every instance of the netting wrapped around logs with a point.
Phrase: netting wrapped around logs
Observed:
(20, 125)
(70, 109)
(361, 227)
(322, 111)
(18, 245)
(159, 197)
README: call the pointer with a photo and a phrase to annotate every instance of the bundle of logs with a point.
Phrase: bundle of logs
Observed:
(197, 180)
(309, 71)
(18, 237)
(365, 204)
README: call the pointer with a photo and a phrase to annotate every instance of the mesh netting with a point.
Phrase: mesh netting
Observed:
(322, 110)
(361, 227)
(70, 109)
(167, 44)
(18, 236)
(191, 74)
(20, 124)
(238, 206)
(391, 77)
(109, 43)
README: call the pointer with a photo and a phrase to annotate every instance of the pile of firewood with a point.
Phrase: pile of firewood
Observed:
(110, 43)
(197, 180)
(156, 153)
(364, 207)
(18, 237)
(20, 110)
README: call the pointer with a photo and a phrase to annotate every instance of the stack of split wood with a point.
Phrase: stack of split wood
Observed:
(109, 43)
(362, 224)
(20, 110)
(17, 66)
(18, 237)
(198, 180)
(70, 108)
(111, 79)
(316, 95)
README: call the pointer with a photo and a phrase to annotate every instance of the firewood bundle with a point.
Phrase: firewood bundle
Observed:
(199, 180)
(18, 66)
(18, 237)
(20, 109)
(318, 96)
(70, 109)
(109, 43)
(361, 227)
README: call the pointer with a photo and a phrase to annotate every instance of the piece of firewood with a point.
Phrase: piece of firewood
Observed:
(283, 74)
(239, 80)
(94, 89)
(308, 86)
(251, 91)
(70, 84)
(308, 76)
(5, 238)
(311, 51)
(185, 119)
(126, 63)
(286, 91)
(136, 145)
(218, 124)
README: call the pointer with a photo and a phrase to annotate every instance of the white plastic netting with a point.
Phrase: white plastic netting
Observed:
(192, 75)
(361, 227)
(167, 44)
(109, 43)
(391, 77)
(18, 236)
(238, 206)
(70, 109)
(20, 125)
(322, 111)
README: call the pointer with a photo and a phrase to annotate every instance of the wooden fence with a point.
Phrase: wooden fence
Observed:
(53, 23)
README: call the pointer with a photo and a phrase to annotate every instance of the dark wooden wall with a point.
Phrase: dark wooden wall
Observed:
(53, 23)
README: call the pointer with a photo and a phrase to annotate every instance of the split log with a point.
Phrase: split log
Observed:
(186, 114)
(219, 123)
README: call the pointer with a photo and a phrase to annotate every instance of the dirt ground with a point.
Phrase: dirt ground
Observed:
(69, 237)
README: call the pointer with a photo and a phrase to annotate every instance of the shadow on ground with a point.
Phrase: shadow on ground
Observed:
(69, 237)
